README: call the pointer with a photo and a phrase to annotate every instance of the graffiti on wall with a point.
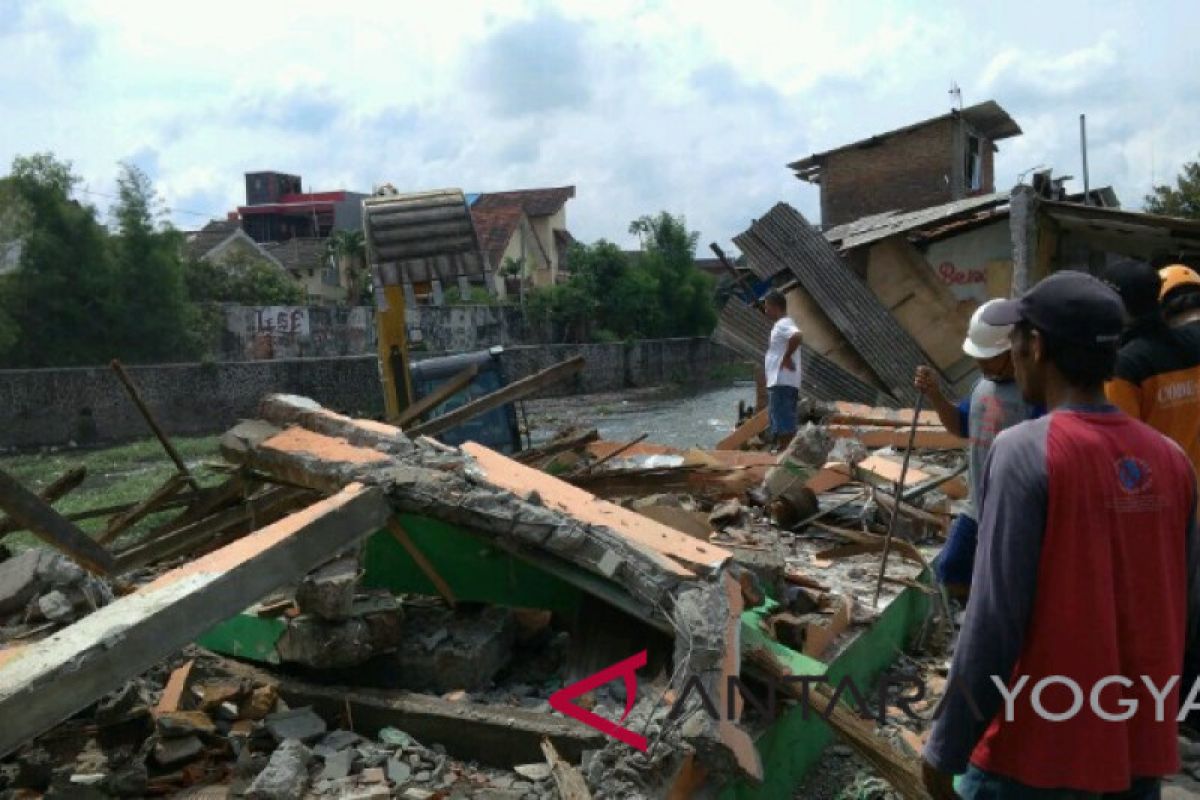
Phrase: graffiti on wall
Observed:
(264, 332)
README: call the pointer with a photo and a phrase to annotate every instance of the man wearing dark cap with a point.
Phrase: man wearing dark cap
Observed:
(1157, 376)
(1083, 608)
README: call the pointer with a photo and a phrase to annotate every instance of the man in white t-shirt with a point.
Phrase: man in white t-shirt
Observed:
(782, 364)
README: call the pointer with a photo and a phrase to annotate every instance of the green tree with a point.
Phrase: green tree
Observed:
(1181, 201)
(151, 295)
(241, 278)
(58, 303)
(685, 294)
(348, 249)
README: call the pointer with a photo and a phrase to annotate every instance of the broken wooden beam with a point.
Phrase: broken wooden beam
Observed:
(559, 444)
(612, 454)
(401, 535)
(927, 438)
(441, 394)
(159, 433)
(568, 781)
(44, 683)
(256, 512)
(745, 432)
(844, 413)
(125, 520)
(513, 391)
(29, 511)
(57, 489)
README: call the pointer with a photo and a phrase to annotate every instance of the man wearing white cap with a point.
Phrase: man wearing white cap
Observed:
(995, 404)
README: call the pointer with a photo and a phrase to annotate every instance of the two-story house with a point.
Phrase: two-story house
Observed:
(524, 235)
(929, 163)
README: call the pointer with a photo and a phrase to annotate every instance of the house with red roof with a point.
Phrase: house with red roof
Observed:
(524, 236)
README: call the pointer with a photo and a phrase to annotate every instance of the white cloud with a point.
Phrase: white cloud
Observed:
(685, 106)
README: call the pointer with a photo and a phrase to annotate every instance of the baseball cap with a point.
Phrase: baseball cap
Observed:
(1069, 305)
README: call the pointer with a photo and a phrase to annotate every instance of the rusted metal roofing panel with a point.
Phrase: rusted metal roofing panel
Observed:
(423, 236)
(782, 241)
(880, 226)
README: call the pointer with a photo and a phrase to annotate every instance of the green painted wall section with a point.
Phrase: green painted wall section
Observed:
(474, 569)
(793, 744)
(245, 636)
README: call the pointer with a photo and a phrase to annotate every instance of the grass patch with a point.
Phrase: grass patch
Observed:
(116, 475)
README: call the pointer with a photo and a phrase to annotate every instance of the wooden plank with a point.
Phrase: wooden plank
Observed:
(58, 488)
(573, 441)
(258, 511)
(884, 471)
(845, 413)
(442, 393)
(513, 391)
(29, 511)
(123, 521)
(44, 683)
(747, 431)
(172, 693)
(159, 433)
(612, 454)
(676, 549)
(423, 564)
(885, 436)
(571, 785)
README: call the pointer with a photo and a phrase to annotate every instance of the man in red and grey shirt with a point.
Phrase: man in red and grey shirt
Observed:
(1078, 645)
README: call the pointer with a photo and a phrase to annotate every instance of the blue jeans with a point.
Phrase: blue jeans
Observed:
(956, 562)
(979, 785)
(781, 409)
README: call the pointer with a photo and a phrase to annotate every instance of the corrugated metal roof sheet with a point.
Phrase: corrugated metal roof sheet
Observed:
(880, 226)
(784, 241)
(424, 236)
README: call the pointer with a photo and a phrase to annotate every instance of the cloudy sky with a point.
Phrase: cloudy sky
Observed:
(688, 106)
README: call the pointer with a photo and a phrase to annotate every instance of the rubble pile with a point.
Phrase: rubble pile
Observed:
(362, 691)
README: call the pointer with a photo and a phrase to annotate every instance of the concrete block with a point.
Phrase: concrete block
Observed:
(286, 774)
(169, 752)
(328, 592)
(20, 579)
(446, 651)
(297, 723)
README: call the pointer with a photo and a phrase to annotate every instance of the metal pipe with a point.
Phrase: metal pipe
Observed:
(1087, 199)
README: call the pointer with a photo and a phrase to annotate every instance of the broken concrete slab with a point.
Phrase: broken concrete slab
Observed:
(296, 723)
(672, 580)
(20, 579)
(448, 651)
(286, 775)
(169, 752)
(328, 592)
(46, 682)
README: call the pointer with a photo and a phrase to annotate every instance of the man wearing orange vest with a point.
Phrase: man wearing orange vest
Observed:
(1079, 640)
(1157, 376)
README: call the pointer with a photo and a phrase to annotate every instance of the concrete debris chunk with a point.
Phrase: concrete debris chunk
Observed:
(20, 579)
(169, 752)
(184, 723)
(285, 776)
(337, 765)
(298, 723)
(328, 592)
(56, 607)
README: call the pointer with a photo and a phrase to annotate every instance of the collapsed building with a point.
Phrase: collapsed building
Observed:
(357, 610)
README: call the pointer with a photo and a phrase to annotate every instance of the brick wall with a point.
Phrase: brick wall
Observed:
(902, 172)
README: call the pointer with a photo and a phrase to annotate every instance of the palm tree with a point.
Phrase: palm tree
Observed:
(349, 250)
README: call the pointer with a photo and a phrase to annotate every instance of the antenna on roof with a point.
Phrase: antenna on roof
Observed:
(956, 95)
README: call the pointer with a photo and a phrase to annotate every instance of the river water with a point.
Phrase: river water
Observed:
(672, 417)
